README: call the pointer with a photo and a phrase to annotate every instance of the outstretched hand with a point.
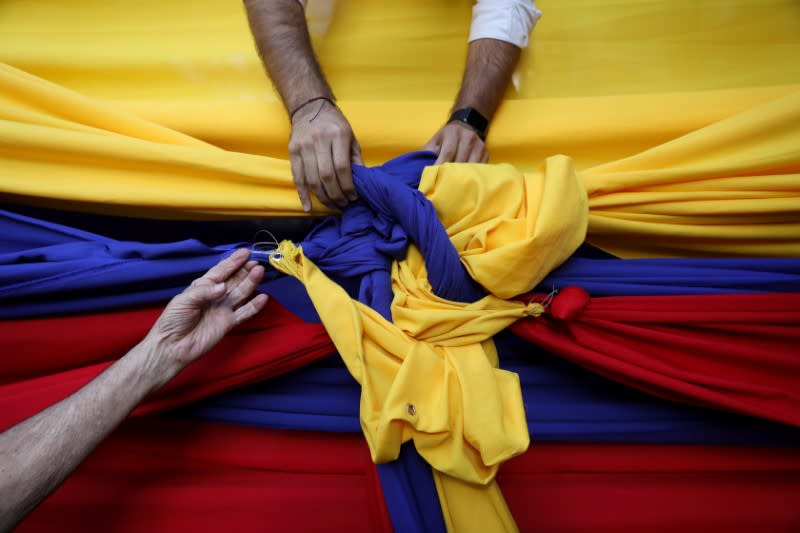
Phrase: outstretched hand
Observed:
(457, 142)
(321, 148)
(197, 319)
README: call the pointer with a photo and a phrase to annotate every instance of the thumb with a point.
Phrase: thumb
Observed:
(203, 293)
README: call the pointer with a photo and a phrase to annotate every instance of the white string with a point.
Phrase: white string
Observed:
(549, 298)
(265, 250)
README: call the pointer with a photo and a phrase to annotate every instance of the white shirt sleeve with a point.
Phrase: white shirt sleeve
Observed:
(506, 20)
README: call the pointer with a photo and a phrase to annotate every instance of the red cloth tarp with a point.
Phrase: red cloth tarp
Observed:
(46, 359)
(739, 352)
(166, 475)
(158, 474)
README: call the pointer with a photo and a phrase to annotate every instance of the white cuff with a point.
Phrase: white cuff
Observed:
(506, 20)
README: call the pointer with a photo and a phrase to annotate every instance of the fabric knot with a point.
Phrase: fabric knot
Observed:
(534, 309)
(569, 303)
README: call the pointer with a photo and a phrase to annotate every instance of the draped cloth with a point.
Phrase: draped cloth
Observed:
(694, 195)
(168, 129)
(408, 312)
(207, 477)
(684, 347)
(39, 369)
(48, 268)
(166, 474)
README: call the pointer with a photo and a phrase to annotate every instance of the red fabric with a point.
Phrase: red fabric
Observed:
(45, 360)
(739, 352)
(167, 475)
(159, 474)
(653, 488)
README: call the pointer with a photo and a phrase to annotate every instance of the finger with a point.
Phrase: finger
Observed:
(312, 177)
(299, 177)
(448, 151)
(485, 155)
(200, 295)
(466, 143)
(235, 280)
(245, 287)
(250, 309)
(341, 164)
(327, 174)
(434, 144)
(224, 269)
(355, 153)
(476, 154)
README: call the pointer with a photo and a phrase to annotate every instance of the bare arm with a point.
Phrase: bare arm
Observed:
(322, 143)
(490, 63)
(39, 453)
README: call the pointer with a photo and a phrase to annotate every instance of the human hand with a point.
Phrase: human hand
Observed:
(197, 319)
(457, 142)
(321, 148)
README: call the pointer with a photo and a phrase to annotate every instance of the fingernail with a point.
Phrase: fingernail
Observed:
(219, 287)
(306, 207)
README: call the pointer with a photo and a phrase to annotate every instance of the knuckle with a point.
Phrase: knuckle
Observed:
(340, 132)
(318, 135)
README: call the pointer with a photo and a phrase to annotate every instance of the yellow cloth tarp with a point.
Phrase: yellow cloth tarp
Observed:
(728, 188)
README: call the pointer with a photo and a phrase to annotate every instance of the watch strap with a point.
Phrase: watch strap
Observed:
(472, 118)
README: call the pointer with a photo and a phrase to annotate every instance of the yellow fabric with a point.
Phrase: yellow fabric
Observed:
(600, 81)
(511, 229)
(431, 375)
(729, 188)
(464, 416)
(469, 507)
(150, 50)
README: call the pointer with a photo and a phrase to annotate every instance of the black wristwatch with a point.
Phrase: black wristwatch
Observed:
(472, 118)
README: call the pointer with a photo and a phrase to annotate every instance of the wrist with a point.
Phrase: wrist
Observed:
(306, 106)
(153, 362)
(472, 118)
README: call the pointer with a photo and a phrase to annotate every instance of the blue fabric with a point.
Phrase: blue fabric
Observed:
(563, 403)
(48, 268)
(652, 277)
(390, 213)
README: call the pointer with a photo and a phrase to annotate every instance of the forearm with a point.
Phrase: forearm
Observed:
(281, 35)
(38, 454)
(490, 64)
